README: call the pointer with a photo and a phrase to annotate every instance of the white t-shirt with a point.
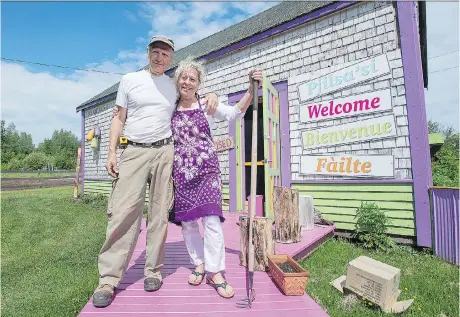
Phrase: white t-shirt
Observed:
(150, 101)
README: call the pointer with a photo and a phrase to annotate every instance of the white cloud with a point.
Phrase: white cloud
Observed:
(189, 22)
(131, 16)
(41, 102)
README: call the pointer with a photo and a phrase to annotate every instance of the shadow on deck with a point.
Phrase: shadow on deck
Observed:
(177, 297)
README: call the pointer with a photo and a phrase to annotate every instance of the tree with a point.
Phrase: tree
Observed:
(62, 147)
(436, 127)
(61, 140)
(35, 161)
(14, 144)
(445, 165)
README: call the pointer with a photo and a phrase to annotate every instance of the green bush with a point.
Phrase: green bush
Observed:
(7, 156)
(98, 201)
(15, 164)
(445, 165)
(64, 160)
(371, 227)
(35, 161)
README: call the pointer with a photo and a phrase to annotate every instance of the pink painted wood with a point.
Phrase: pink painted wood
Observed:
(177, 298)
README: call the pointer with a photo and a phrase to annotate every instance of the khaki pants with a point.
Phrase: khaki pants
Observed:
(126, 203)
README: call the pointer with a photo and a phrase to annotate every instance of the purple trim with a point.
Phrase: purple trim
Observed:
(232, 100)
(258, 37)
(281, 28)
(416, 113)
(97, 101)
(285, 139)
(82, 160)
(353, 181)
(243, 160)
(232, 168)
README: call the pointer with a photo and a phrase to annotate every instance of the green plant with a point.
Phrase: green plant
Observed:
(445, 165)
(97, 201)
(371, 227)
(35, 161)
(15, 164)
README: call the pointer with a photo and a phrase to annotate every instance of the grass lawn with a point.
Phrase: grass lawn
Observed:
(432, 282)
(49, 252)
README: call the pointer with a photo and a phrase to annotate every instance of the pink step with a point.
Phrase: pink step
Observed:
(177, 297)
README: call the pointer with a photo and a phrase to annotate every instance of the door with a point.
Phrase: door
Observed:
(272, 151)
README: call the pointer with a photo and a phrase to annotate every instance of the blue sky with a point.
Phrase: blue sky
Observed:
(111, 37)
(68, 33)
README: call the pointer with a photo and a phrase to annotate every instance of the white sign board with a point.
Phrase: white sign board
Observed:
(348, 165)
(359, 131)
(371, 102)
(346, 77)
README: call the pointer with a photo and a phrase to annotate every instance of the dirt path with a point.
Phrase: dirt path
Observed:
(26, 183)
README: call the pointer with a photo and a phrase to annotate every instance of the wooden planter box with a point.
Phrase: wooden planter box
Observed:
(290, 283)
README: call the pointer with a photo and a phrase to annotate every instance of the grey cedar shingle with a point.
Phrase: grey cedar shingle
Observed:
(279, 14)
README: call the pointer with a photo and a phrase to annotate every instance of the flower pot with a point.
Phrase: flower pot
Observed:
(290, 283)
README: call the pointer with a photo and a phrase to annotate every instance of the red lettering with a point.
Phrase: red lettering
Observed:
(375, 103)
(324, 112)
(331, 108)
(347, 107)
(337, 107)
(313, 111)
(360, 104)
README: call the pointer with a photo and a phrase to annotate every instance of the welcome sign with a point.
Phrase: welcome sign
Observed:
(346, 77)
(348, 165)
(376, 101)
(359, 131)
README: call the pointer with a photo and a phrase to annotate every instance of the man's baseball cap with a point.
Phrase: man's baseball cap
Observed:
(163, 39)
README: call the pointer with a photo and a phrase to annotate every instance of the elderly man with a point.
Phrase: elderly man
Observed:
(145, 102)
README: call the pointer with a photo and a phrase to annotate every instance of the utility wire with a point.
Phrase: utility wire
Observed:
(441, 70)
(100, 71)
(442, 54)
(59, 66)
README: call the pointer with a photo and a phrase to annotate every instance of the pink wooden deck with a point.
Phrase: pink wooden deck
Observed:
(177, 298)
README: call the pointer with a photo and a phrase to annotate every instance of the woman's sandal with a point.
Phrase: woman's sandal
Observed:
(198, 278)
(222, 286)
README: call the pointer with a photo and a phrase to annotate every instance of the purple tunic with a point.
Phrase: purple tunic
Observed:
(196, 171)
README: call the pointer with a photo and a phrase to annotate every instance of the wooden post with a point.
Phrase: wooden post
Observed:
(286, 209)
(77, 174)
(264, 244)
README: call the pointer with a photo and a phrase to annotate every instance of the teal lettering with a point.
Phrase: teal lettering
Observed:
(365, 70)
(311, 86)
(373, 66)
(338, 80)
(348, 76)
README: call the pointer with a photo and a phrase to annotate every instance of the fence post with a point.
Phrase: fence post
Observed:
(77, 174)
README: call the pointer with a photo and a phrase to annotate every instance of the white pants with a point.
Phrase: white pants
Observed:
(212, 253)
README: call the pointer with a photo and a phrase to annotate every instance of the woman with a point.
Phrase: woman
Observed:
(196, 173)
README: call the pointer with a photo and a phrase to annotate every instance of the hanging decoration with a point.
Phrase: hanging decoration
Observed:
(90, 135)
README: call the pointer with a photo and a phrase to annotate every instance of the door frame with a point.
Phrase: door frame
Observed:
(235, 155)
